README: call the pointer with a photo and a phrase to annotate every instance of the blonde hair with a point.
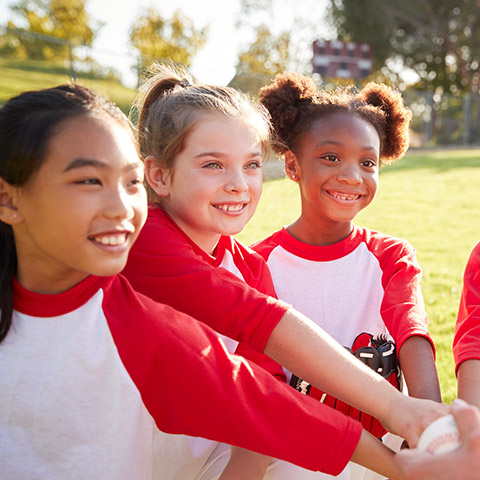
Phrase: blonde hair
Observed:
(169, 105)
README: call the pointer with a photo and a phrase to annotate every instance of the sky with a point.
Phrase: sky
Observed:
(215, 63)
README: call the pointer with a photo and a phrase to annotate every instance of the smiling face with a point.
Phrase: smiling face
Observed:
(336, 168)
(80, 213)
(216, 182)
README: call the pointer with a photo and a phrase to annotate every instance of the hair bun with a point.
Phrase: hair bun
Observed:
(282, 99)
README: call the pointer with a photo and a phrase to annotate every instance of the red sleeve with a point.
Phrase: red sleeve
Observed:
(466, 341)
(402, 308)
(164, 265)
(256, 274)
(264, 247)
(191, 385)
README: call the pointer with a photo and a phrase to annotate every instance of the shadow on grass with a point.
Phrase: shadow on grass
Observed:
(438, 160)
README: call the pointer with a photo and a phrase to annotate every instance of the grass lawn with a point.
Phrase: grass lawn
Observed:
(432, 199)
(19, 75)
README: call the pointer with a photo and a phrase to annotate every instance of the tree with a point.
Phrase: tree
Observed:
(282, 40)
(49, 29)
(158, 38)
(437, 39)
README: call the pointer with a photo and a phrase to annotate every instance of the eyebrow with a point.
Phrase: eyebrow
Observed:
(221, 155)
(91, 162)
(332, 142)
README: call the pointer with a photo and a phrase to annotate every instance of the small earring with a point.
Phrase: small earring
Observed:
(293, 176)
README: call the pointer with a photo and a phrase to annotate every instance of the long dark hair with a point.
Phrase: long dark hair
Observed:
(27, 123)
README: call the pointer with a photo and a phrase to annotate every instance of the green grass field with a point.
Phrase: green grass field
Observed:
(17, 76)
(431, 199)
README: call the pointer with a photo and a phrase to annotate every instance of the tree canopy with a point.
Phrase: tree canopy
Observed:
(49, 29)
(158, 38)
(438, 39)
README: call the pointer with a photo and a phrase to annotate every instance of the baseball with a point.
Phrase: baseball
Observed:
(441, 436)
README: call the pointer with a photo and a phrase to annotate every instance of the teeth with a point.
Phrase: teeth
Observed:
(345, 196)
(230, 208)
(112, 239)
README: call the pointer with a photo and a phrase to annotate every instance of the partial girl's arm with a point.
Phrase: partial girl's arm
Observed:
(466, 343)
(418, 366)
(303, 347)
(245, 465)
(468, 375)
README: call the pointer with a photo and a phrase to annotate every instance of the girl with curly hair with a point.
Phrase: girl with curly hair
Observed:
(361, 286)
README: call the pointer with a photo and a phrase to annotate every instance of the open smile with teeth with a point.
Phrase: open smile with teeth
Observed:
(231, 208)
(344, 196)
(113, 240)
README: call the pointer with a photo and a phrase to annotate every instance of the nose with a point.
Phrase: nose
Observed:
(119, 204)
(350, 174)
(236, 181)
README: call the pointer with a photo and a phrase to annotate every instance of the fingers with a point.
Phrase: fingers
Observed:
(466, 416)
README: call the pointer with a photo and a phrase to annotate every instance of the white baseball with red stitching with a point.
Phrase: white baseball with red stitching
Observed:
(441, 436)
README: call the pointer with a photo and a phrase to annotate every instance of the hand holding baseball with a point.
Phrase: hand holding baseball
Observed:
(462, 463)
(441, 436)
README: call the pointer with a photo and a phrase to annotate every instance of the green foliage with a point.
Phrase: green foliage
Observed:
(267, 55)
(431, 199)
(48, 30)
(438, 39)
(157, 38)
(282, 40)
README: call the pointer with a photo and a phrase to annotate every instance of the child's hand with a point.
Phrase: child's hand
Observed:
(409, 417)
(460, 464)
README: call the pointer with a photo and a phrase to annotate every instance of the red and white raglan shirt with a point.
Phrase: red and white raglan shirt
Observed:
(88, 376)
(466, 342)
(166, 265)
(368, 282)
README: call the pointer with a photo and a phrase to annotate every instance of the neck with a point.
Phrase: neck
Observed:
(313, 235)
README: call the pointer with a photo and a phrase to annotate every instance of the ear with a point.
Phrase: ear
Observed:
(8, 204)
(157, 177)
(291, 166)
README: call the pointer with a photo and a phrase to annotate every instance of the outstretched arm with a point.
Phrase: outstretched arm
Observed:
(303, 347)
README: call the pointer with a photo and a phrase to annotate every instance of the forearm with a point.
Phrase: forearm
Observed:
(313, 355)
(373, 454)
(245, 465)
(308, 351)
(418, 365)
(469, 382)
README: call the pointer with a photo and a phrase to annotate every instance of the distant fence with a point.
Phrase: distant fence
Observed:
(442, 120)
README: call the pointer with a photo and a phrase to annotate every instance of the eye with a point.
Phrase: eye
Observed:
(137, 181)
(212, 165)
(253, 165)
(368, 163)
(89, 181)
(330, 158)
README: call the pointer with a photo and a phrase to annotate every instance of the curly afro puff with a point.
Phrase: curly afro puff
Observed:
(295, 103)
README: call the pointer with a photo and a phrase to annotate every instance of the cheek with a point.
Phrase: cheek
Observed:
(256, 185)
(141, 207)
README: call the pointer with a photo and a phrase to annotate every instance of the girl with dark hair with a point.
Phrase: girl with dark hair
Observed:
(89, 369)
(361, 286)
(203, 148)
